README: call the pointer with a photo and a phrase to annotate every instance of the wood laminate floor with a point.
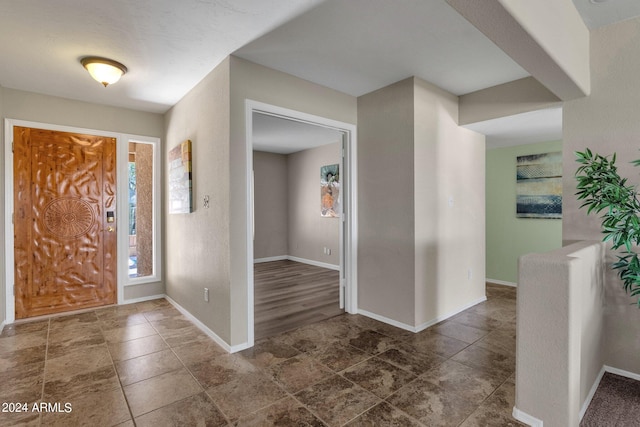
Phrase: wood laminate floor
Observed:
(290, 294)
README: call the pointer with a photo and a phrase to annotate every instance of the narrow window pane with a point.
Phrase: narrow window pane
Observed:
(140, 210)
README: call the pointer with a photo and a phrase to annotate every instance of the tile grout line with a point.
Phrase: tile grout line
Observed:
(113, 365)
(44, 369)
(190, 373)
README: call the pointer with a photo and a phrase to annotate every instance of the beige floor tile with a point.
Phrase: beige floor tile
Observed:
(246, 394)
(432, 405)
(221, 370)
(24, 328)
(384, 414)
(20, 419)
(338, 355)
(473, 384)
(21, 341)
(73, 337)
(285, 412)
(149, 395)
(299, 372)
(144, 367)
(77, 361)
(406, 357)
(138, 347)
(198, 351)
(459, 331)
(184, 336)
(372, 342)
(499, 364)
(269, 352)
(74, 385)
(163, 314)
(379, 377)
(104, 408)
(432, 342)
(172, 326)
(66, 321)
(337, 400)
(22, 383)
(26, 356)
(122, 321)
(197, 410)
(129, 333)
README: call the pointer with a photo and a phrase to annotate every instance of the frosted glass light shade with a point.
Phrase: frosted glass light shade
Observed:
(105, 71)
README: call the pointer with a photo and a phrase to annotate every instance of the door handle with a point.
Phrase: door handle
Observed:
(110, 229)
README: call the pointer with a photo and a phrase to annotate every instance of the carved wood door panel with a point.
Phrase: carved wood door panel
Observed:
(65, 244)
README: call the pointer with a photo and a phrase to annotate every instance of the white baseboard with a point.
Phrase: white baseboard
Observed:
(222, 343)
(439, 319)
(622, 373)
(296, 259)
(526, 418)
(270, 259)
(423, 326)
(387, 320)
(316, 263)
(594, 387)
(501, 282)
(2, 326)
(142, 299)
(596, 383)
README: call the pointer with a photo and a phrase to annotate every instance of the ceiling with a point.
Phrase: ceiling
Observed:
(354, 46)
(278, 135)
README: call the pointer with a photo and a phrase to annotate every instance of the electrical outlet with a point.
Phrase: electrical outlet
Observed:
(328, 251)
(206, 294)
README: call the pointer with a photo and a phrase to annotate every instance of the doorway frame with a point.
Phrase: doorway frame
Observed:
(349, 220)
(122, 150)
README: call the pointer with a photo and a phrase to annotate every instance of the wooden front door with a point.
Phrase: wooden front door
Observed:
(64, 221)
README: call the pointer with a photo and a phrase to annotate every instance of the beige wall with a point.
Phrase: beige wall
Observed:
(270, 205)
(607, 121)
(508, 99)
(21, 105)
(415, 249)
(255, 82)
(197, 244)
(449, 165)
(386, 276)
(309, 233)
(3, 258)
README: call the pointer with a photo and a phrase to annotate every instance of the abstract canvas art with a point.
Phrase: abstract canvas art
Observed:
(180, 184)
(539, 186)
(330, 191)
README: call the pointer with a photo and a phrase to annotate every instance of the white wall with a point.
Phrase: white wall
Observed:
(197, 244)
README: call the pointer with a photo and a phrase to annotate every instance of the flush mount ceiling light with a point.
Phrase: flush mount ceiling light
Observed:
(105, 71)
(599, 1)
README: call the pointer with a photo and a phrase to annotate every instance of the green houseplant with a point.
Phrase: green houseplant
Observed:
(602, 190)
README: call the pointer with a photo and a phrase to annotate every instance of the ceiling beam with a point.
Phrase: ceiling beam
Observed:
(545, 37)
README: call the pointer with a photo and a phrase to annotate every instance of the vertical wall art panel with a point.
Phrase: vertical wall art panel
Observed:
(180, 185)
(330, 191)
(539, 186)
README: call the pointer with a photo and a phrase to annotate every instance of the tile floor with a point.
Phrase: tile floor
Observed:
(146, 365)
